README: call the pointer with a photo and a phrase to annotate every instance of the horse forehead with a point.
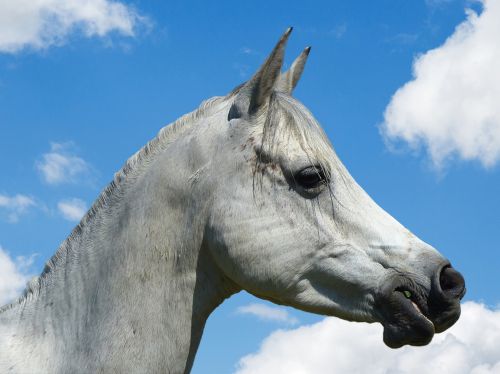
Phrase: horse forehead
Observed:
(293, 151)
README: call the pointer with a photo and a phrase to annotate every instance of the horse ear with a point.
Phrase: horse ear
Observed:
(255, 93)
(289, 80)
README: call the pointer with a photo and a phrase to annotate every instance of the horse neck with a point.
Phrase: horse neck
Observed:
(133, 289)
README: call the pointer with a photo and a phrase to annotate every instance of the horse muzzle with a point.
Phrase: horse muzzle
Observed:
(411, 314)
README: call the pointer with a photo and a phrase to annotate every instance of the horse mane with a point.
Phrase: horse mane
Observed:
(164, 137)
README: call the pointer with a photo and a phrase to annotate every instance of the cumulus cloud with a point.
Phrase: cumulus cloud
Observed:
(14, 274)
(72, 209)
(61, 165)
(268, 313)
(337, 346)
(39, 24)
(15, 206)
(451, 107)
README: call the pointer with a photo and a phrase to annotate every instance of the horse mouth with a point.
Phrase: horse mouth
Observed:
(411, 315)
(406, 321)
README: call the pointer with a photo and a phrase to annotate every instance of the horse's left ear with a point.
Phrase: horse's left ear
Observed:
(256, 92)
(289, 79)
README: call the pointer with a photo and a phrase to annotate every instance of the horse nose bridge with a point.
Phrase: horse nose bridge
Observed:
(407, 254)
(377, 225)
(387, 240)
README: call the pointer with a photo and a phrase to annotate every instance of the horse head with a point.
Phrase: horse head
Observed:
(289, 224)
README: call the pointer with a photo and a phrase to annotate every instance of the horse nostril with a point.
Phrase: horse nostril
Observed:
(451, 282)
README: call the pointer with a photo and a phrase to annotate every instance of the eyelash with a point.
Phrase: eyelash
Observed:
(310, 177)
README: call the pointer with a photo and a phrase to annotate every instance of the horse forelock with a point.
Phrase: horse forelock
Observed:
(288, 118)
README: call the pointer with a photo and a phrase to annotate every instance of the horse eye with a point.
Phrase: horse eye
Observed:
(310, 177)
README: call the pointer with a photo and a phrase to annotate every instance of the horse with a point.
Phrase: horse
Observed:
(244, 193)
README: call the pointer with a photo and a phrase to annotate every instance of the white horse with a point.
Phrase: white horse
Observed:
(244, 193)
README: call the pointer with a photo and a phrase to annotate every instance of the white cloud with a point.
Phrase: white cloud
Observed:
(72, 209)
(61, 165)
(337, 346)
(451, 107)
(339, 30)
(268, 313)
(248, 51)
(39, 24)
(16, 205)
(13, 275)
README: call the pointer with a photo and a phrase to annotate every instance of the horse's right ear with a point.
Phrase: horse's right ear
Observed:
(256, 92)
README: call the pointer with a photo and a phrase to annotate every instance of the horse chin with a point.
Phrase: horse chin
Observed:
(405, 324)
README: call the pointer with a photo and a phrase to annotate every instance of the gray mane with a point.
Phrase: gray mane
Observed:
(164, 137)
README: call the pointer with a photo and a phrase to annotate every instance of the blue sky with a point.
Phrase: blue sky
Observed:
(77, 99)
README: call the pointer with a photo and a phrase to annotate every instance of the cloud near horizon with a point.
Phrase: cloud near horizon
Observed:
(14, 274)
(42, 24)
(451, 107)
(337, 346)
(268, 313)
